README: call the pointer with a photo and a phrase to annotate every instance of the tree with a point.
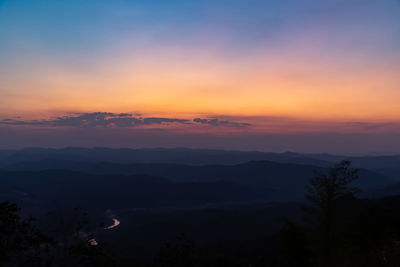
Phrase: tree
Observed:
(76, 244)
(323, 192)
(21, 243)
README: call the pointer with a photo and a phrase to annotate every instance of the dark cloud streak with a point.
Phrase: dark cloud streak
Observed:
(121, 120)
(217, 122)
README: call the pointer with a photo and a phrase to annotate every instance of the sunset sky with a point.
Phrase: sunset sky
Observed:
(299, 75)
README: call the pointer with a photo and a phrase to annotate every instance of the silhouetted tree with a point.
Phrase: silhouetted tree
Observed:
(21, 243)
(76, 245)
(323, 192)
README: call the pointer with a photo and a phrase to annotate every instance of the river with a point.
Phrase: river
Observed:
(115, 224)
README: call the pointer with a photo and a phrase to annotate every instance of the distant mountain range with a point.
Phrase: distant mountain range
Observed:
(45, 158)
(189, 156)
(254, 181)
(143, 178)
(156, 155)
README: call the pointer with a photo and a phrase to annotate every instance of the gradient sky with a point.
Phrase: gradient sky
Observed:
(303, 75)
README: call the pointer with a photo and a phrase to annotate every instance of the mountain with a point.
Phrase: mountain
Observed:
(234, 206)
(276, 181)
(53, 189)
(156, 155)
(128, 178)
(188, 156)
(390, 190)
(393, 173)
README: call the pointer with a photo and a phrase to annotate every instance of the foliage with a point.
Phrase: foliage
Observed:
(323, 192)
(21, 243)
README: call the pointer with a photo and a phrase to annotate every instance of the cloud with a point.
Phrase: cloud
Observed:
(18, 122)
(217, 122)
(96, 119)
(119, 120)
(262, 124)
(164, 120)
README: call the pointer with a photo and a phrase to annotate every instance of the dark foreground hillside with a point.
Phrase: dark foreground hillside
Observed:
(367, 233)
(258, 213)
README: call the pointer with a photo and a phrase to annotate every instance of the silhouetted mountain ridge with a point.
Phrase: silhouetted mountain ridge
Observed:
(189, 156)
(264, 179)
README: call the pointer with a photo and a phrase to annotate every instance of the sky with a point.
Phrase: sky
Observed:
(277, 75)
